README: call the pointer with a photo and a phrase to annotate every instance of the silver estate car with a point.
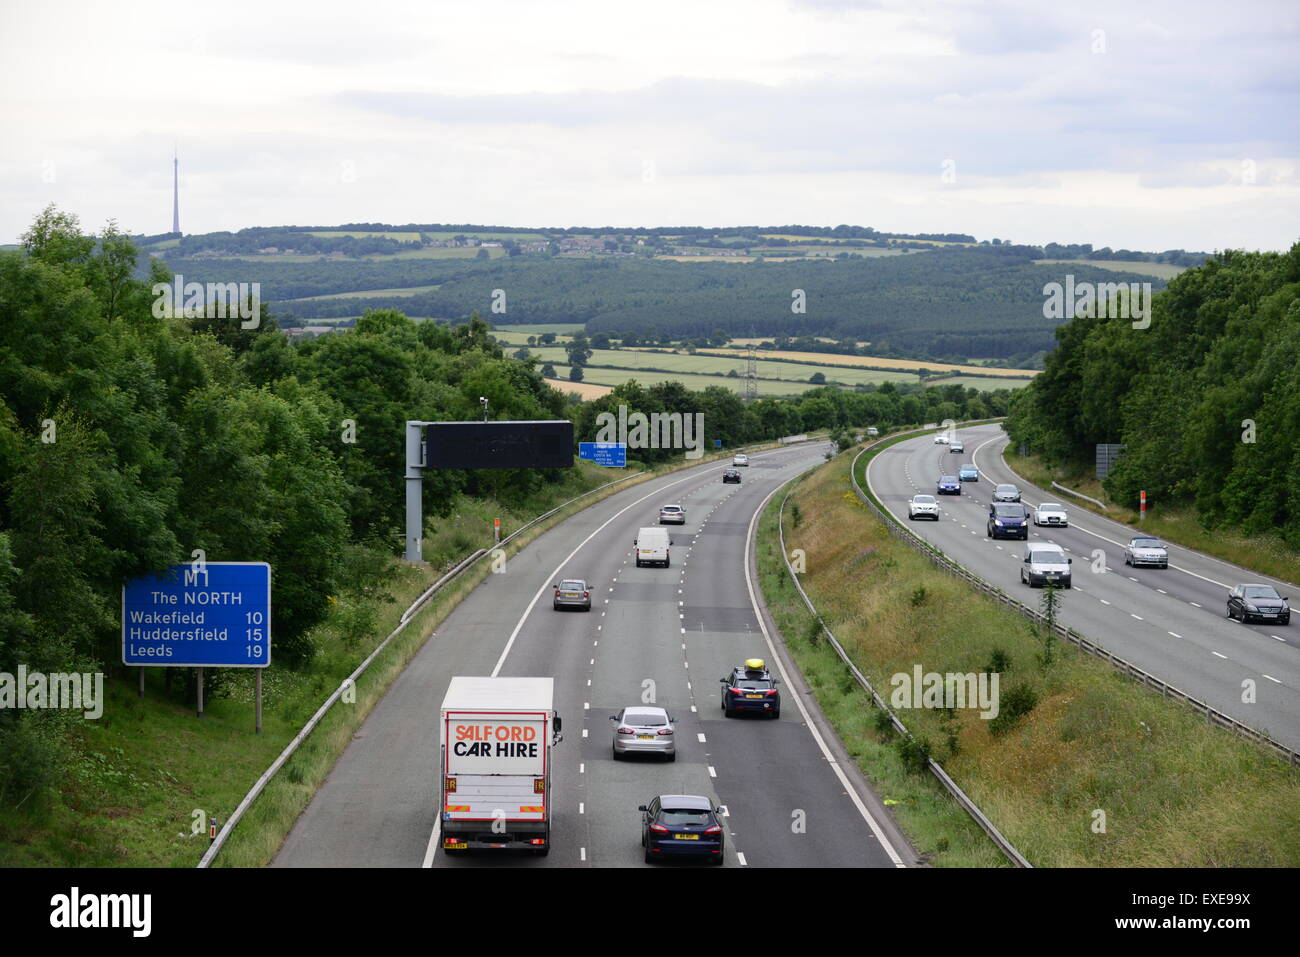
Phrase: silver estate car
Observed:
(644, 729)
(672, 515)
(1145, 550)
(572, 593)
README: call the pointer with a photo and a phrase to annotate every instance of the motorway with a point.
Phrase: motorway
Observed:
(793, 796)
(1169, 622)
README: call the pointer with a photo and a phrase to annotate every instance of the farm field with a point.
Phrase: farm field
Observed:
(613, 377)
(700, 364)
(536, 329)
(828, 358)
(1158, 270)
(368, 293)
(588, 390)
(982, 383)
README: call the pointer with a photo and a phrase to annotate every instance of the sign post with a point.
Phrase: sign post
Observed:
(496, 531)
(200, 615)
(1142, 510)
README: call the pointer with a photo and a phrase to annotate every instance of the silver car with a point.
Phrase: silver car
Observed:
(1145, 550)
(672, 515)
(1006, 492)
(572, 593)
(740, 459)
(644, 729)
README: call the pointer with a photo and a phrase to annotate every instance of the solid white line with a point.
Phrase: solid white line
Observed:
(808, 722)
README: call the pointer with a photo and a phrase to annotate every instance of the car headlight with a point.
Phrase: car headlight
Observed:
(997, 521)
(1250, 607)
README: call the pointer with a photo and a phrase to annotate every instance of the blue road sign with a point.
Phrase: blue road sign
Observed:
(610, 454)
(717, 443)
(200, 615)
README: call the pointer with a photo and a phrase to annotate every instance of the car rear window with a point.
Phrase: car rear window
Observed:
(644, 719)
(754, 684)
(571, 585)
(680, 817)
(670, 508)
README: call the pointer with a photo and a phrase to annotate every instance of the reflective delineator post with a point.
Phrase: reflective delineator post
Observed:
(1142, 511)
(414, 490)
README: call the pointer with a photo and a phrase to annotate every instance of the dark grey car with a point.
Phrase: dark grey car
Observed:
(1261, 602)
(1006, 492)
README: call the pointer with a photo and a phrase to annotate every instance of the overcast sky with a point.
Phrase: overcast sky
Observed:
(1148, 125)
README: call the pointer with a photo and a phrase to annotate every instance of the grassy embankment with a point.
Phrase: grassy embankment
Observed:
(1174, 791)
(1263, 553)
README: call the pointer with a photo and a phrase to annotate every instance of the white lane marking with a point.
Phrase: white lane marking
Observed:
(808, 722)
(584, 732)
(1216, 654)
(1103, 601)
(700, 737)
(712, 772)
(582, 767)
(1138, 617)
(582, 853)
(554, 576)
(741, 858)
(1194, 604)
(1270, 678)
(1278, 637)
(1175, 634)
(694, 710)
(581, 808)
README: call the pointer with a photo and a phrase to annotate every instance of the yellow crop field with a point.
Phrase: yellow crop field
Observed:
(910, 365)
(588, 390)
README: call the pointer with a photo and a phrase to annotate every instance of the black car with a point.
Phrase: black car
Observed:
(1261, 602)
(731, 475)
(750, 688)
(1008, 520)
(681, 825)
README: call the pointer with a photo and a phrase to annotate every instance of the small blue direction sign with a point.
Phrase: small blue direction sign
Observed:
(610, 454)
(201, 615)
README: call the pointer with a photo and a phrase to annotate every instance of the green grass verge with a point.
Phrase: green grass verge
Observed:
(1173, 790)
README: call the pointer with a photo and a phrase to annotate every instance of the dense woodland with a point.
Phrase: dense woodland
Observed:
(127, 440)
(1206, 400)
(948, 304)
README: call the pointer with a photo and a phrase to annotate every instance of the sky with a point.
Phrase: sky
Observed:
(1141, 124)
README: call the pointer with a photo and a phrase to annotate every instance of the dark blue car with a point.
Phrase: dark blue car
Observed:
(1008, 520)
(750, 688)
(948, 485)
(683, 826)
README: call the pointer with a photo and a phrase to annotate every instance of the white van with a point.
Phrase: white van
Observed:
(651, 546)
(1045, 564)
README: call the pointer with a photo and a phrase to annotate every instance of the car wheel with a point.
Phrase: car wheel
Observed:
(672, 756)
(638, 563)
(668, 561)
(776, 714)
(1285, 621)
(542, 851)
(719, 859)
(1230, 614)
(726, 712)
(648, 858)
(555, 606)
(614, 751)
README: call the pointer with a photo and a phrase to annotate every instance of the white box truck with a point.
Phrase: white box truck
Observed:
(495, 787)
